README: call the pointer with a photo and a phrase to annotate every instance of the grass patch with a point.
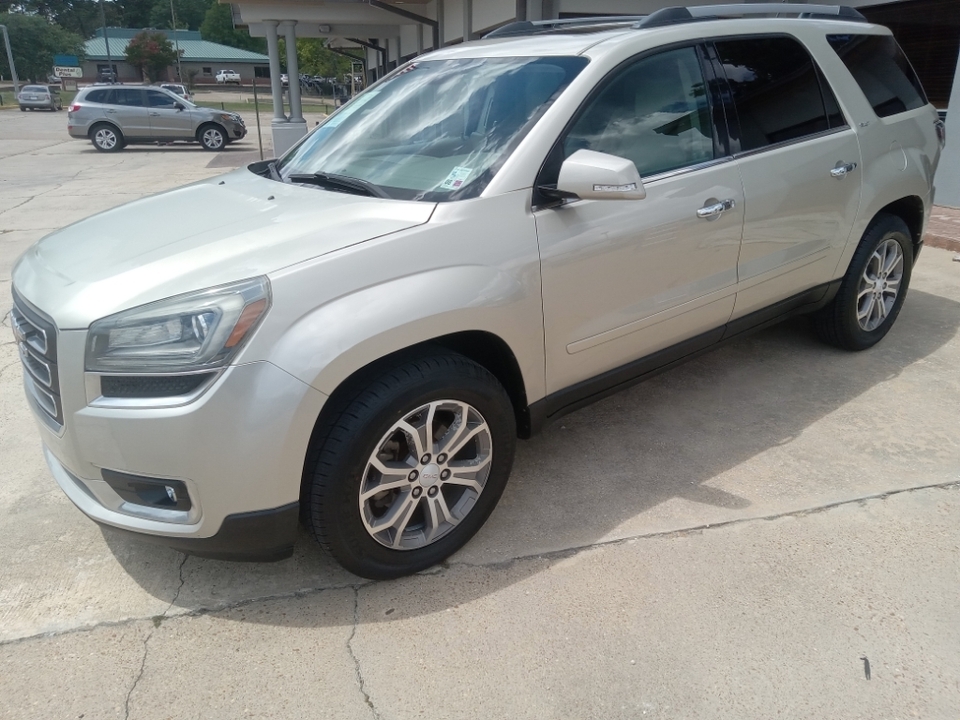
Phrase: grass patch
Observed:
(266, 108)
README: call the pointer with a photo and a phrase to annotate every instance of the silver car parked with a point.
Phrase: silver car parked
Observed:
(39, 97)
(115, 116)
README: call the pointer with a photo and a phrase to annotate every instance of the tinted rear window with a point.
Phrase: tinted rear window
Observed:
(776, 90)
(97, 96)
(34, 89)
(882, 70)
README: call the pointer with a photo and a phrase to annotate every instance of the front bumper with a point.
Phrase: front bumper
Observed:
(238, 448)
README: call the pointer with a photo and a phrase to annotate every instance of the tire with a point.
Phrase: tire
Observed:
(356, 530)
(212, 137)
(23, 109)
(106, 138)
(873, 289)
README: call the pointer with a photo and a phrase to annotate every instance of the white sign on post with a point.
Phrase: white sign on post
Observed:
(68, 72)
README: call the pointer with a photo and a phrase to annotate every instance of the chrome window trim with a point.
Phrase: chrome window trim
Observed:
(794, 141)
(667, 175)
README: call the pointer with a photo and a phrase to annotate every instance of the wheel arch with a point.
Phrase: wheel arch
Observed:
(484, 348)
(911, 210)
(98, 123)
(208, 123)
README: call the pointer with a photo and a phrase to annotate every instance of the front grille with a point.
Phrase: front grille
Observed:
(37, 342)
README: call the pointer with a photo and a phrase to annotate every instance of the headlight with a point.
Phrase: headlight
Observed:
(228, 118)
(197, 331)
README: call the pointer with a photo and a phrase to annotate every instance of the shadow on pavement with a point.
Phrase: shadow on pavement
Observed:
(601, 467)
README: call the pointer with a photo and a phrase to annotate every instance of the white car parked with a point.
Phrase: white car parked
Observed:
(228, 76)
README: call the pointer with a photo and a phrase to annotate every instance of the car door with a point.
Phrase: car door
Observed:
(800, 162)
(168, 118)
(623, 279)
(126, 107)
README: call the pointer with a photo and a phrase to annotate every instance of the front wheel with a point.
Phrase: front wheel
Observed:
(212, 137)
(873, 290)
(411, 468)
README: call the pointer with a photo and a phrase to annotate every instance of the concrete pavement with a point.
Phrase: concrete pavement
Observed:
(730, 539)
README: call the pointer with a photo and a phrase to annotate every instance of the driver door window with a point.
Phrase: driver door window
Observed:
(655, 113)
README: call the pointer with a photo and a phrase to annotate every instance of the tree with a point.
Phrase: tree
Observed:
(190, 13)
(151, 53)
(218, 27)
(34, 42)
(315, 58)
(78, 16)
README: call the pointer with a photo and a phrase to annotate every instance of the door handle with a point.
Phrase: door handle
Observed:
(842, 169)
(111, 111)
(715, 210)
(155, 114)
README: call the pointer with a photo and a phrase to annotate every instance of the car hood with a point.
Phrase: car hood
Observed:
(228, 228)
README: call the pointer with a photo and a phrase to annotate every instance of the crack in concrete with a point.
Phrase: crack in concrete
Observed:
(146, 641)
(356, 661)
(446, 566)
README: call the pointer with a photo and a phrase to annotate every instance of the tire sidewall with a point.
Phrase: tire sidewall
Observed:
(339, 511)
(885, 229)
(116, 147)
(223, 138)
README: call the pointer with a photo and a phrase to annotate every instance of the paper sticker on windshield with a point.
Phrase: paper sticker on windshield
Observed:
(457, 178)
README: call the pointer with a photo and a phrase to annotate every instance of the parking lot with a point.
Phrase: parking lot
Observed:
(772, 530)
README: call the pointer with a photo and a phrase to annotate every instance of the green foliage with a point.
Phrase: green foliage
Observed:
(151, 53)
(78, 16)
(217, 26)
(34, 42)
(190, 13)
(315, 58)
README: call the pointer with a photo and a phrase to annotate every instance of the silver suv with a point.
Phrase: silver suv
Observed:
(114, 116)
(494, 235)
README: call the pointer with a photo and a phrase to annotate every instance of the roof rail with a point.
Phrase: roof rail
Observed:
(676, 15)
(527, 27)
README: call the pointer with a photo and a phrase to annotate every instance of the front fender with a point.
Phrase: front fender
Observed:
(473, 267)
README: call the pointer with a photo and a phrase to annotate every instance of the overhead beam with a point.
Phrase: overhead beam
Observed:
(379, 4)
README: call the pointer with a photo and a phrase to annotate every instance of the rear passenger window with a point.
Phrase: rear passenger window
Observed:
(125, 96)
(654, 113)
(882, 70)
(776, 90)
(97, 96)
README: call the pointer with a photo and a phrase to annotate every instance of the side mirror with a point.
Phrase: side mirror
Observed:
(591, 175)
(180, 108)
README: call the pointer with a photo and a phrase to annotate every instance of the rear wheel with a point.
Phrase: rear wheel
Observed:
(106, 138)
(212, 137)
(873, 290)
(411, 467)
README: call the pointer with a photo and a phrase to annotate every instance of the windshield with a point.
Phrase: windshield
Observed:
(436, 130)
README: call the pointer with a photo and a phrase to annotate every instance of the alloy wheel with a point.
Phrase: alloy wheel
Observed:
(213, 139)
(106, 139)
(879, 285)
(425, 475)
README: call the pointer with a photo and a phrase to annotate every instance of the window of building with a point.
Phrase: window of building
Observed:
(655, 112)
(882, 71)
(776, 90)
(261, 71)
(208, 71)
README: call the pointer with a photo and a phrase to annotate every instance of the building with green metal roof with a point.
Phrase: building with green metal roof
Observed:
(198, 57)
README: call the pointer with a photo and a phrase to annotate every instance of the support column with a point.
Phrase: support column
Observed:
(467, 20)
(439, 34)
(276, 88)
(293, 71)
(947, 180)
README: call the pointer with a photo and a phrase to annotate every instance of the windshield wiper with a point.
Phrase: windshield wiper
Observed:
(340, 182)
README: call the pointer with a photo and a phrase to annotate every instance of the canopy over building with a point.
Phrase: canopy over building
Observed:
(393, 31)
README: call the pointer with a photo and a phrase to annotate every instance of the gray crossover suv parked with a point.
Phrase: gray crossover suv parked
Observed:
(495, 234)
(115, 116)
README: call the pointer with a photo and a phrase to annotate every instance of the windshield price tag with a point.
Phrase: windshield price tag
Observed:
(456, 179)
